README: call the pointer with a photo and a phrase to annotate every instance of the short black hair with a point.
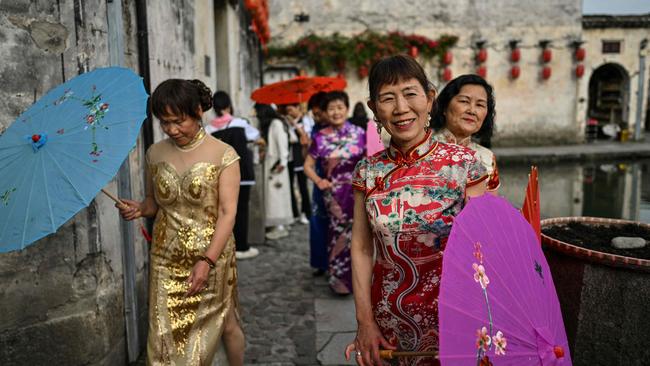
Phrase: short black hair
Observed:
(265, 114)
(392, 69)
(220, 101)
(181, 97)
(359, 116)
(316, 100)
(335, 95)
(451, 90)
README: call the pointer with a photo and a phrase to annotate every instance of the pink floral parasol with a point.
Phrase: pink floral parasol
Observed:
(497, 299)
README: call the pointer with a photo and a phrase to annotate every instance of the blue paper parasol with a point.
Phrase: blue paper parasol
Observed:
(60, 152)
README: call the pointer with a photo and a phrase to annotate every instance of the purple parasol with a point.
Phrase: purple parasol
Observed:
(497, 299)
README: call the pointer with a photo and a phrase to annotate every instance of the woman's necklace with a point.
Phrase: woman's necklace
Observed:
(196, 141)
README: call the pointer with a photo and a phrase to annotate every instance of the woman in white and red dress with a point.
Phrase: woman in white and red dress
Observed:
(405, 201)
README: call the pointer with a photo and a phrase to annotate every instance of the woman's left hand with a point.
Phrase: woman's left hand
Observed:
(198, 279)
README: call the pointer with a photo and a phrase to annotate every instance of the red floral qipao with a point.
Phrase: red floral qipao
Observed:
(411, 201)
(485, 155)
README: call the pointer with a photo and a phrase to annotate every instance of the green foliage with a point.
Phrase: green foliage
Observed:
(327, 54)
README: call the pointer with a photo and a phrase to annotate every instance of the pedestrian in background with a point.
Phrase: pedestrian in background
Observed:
(276, 176)
(464, 113)
(299, 141)
(192, 184)
(373, 140)
(337, 148)
(238, 133)
(318, 222)
(404, 205)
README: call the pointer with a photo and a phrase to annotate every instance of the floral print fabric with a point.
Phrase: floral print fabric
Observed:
(338, 151)
(411, 201)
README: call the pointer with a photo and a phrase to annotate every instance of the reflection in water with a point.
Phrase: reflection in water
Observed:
(614, 189)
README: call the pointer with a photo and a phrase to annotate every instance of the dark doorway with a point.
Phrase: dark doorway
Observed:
(609, 96)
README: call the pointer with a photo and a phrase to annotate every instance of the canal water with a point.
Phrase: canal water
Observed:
(616, 189)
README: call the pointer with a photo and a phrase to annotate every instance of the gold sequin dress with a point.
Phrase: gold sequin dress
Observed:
(186, 331)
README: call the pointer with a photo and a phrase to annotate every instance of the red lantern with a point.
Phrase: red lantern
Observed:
(413, 51)
(515, 55)
(580, 70)
(580, 54)
(482, 71)
(515, 71)
(547, 55)
(546, 72)
(446, 74)
(447, 58)
(482, 54)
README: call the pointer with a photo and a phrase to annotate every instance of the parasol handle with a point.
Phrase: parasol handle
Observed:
(390, 354)
(143, 230)
(111, 196)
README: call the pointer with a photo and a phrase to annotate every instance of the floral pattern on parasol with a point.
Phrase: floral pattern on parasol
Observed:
(497, 299)
(61, 151)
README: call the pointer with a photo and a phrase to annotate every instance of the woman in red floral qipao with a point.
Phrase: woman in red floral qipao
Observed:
(405, 200)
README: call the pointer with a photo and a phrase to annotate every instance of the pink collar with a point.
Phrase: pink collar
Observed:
(221, 122)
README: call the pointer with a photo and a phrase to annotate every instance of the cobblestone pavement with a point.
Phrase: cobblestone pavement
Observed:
(276, 292)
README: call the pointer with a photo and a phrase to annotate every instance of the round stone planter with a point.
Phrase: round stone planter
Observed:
(605, 299)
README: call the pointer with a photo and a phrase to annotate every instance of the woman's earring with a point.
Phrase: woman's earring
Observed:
(428, 125)
(374, 118)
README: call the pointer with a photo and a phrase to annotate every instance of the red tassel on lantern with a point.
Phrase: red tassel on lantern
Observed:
(482, 55)
(546, 72)
(515, 55)
(446, 74)
(547, 55)
(580, 70)
(515, 71)
(482, 71)
(413, 51)
(580, 54)
(447, 58)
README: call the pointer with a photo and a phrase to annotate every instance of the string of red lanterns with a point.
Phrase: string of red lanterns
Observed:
(546, 57)
(515, 56)
(259, 10)
(579, 55)
(481, 58)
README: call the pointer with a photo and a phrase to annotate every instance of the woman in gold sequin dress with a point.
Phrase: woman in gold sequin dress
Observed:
(192, 186)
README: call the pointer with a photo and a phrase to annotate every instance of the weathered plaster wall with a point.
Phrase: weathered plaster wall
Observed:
(530, 110)
(63, 295)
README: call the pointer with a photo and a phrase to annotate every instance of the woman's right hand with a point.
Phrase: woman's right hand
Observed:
(131, 211)
(367, 345)
(324, 184)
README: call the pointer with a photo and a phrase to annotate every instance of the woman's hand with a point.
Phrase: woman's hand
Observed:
(278, 169)
(198, 279)
(324, 184)
(131, 211)
(367, 345)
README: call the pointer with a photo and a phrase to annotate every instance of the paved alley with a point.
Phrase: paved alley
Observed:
(289, 316)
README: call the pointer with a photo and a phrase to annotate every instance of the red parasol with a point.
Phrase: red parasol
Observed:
(530, 208)
(296, 90)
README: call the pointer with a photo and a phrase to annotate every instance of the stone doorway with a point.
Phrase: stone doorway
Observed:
(608, 98)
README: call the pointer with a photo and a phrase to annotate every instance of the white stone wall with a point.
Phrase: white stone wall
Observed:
(529, 109)
(628, 59)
